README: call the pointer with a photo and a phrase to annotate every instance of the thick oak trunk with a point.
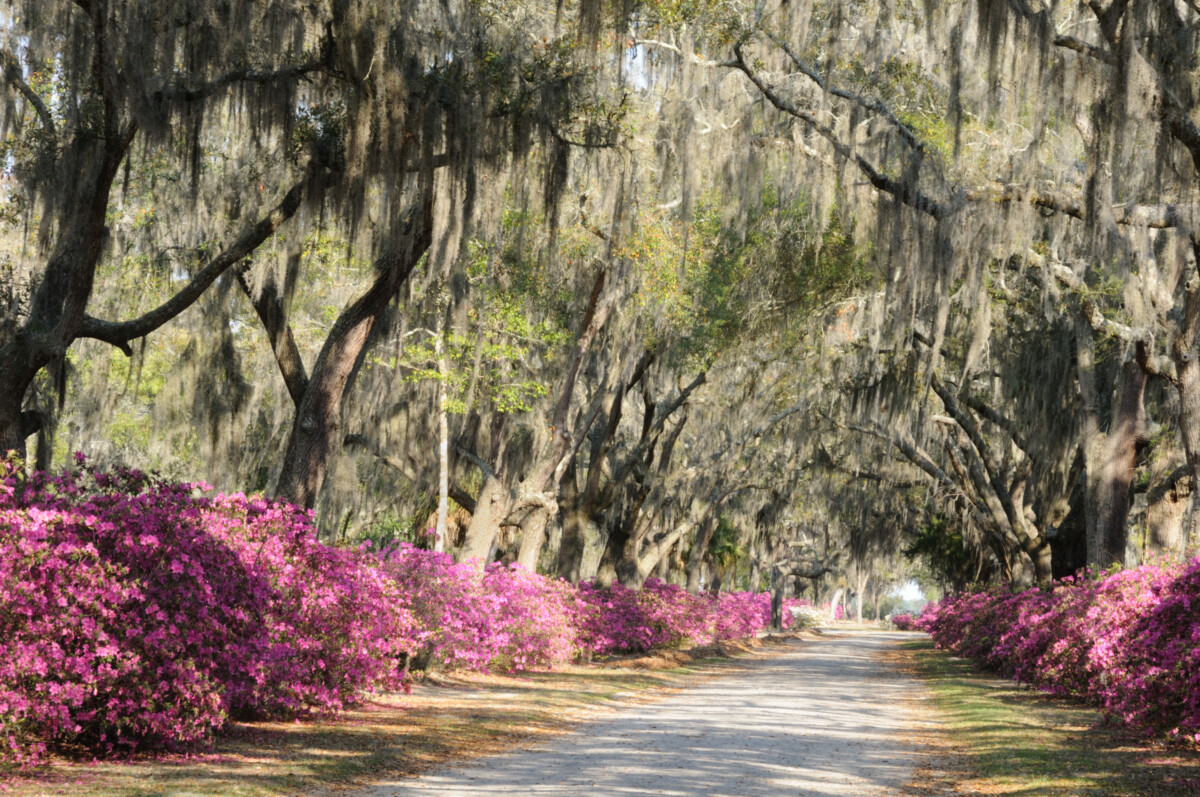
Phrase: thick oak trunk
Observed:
(571, 548)
(859, 588)
(317, 429)
(547, 470)
(12, 431)
(1187, 370)
(59, 303)
(1125, 440)
(533, 538)
(695, 564)
(491, 507)
(1110, 460)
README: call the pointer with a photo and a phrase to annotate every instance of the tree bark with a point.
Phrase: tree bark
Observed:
(1113, 473)
(59, 303)
(1109, 457)
(1007, 508)
(777, 585)
(533, 537)
(1167, 505)
(443, 510)
(490, 508)
(547, 470)
(1187, 374)
(695, 565)
(571, 549)
(860, 587)
(836, 602)
(662, 570)
(317, 429)
(581, 505)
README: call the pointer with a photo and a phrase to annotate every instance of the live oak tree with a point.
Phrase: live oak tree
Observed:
(843, 275)
(281, 117)
(926, 124)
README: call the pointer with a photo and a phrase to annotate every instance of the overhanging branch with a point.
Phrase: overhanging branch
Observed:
(903, 191)
(244, 75)
(120, 333)
(12, 74)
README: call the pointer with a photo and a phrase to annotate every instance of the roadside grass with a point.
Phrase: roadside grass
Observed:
(999, 737)
(449, 718)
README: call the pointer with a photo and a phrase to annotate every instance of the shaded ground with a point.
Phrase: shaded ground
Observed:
(452, 717)
(853, 713)
(994, 736)
(822, 719)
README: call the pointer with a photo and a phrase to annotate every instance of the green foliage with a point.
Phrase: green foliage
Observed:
(780, 266)
(321, 128)
(388, 529)
(724, 549)
(940, 545)
(717, 23)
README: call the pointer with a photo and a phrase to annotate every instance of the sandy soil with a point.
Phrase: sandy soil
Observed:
(826, 718)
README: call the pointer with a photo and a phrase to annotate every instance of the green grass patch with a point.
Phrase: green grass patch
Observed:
(1008, 739)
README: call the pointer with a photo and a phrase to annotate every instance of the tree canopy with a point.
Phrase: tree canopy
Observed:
(728, 291)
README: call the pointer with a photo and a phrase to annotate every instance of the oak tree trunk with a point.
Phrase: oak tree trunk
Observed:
(533, 537)
(317, 429)
(491, 507)
(1187, 373)
(695, 564)
(1110, 462)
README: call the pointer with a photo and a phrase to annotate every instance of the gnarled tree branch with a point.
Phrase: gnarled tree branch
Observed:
(120, 333)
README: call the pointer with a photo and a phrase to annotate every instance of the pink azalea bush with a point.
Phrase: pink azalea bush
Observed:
(136, 613)
(616, 619)
(904, 622)
(739, 614)
(1127, 641)
(453, 612)
(536, 617)
(511, 618)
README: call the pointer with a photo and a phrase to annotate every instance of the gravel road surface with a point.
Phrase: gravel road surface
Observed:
(826, 718)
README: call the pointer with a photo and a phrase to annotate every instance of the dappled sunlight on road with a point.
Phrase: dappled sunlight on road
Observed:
(824, 719)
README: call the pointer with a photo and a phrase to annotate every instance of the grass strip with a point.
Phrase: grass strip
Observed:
(1003, 738)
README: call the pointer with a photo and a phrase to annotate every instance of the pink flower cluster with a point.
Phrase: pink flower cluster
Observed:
(509, 619)
(904, 622)
(1128, 642)
(133, 614)
(137, 614)
(514, 619)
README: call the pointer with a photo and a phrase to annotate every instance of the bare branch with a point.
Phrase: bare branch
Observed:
(875, 106)
(268, 303)
(912, 452)
(477, 461)
(650, 437)
(1091, 312)
(671, 48)
(1161, 217)
(995, 417)
(395, 463)
(1085, 48)
(1180, 123)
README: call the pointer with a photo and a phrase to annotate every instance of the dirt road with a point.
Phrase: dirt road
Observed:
(824, 719)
